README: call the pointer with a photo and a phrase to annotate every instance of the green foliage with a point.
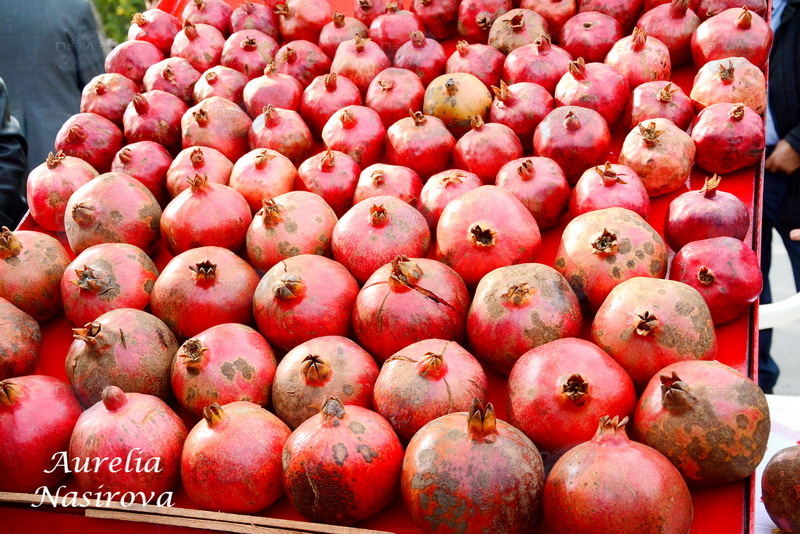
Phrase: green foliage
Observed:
(116, 16)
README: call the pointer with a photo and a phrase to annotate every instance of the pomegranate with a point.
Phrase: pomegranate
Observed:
(595, 86)
(574, 137)
(394, 180)
(661, 154)
(132, 59)
(518, 27)
(704, 214)
(303, 19)
(50, 185)
(600, 249)
(393, 92)
(30, 271)
(304, 297)
(640, 58)
(37, 415)
(261, 174)
(339, 30)
(651, 4)
(249, 52)
(174, 75)
(358, 483)
(324, 96)
(294, 223)
(624, 11)
(657, 99)
(724, 270)
(216, 13)
(368, 10)
(156, 27)
(502, 462)
(155, 116)
(729, 80)
(199, 44)
(406, 301)
(333, 175)
(482, 61)
(219, 123)
(641, 490)
(205, 161)
(420, 142)
(556, 391)
(280, 90)
(440, 189)
(126, 348)
(540, 184)
(112, 208)
(733, 32)
(475, 18)
(358, 132)
(282, 130)
(710, 8)
(517, 308)
(241, 438)
(425, 57)
(20, 342)
(148, 162)
(590, 35)
(521, 107)
(90, 137)
(106, 277)
(418, 384)
(539, 62)
(108, 95)
(226, 363)
(456, 98)
(204, 287)
(375, 231)
(303, 60)
(499, 231)
(220, 81)
(673, 23)
(609, 186)
(128, 428)
(728, 137)
(709, 420)
(778, 481)
(360, 61)
(393, 28)
(555, 12)
(250, 16)
(318, 368)
(486, 148)
(439, 17)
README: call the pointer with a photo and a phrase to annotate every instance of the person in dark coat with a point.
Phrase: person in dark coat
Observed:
(781, 208)
(12, 164)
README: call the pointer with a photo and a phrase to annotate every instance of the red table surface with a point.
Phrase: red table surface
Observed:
(726, 510)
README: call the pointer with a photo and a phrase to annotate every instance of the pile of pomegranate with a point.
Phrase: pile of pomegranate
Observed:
(282, 209)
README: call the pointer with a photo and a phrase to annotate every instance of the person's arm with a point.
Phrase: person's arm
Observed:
(13, 161)
(785, 158)
(89, 53)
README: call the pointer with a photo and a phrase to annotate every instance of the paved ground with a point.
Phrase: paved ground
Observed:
(786, 339)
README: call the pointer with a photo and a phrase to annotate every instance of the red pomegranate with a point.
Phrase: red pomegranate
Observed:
(126, 348)
(360, 61)
(275, 88)
(710, 8)
(221, 81)
(249, 52)
(205, 161)
(108, 95)
(132, 59)
(556, 391)
(486, 148)
(521, 107)
(502, 462)
(90, 137)
(199, 44)
(704, 214)
(661, 154)
(624, 11)
(596, 86)
(204, 287)
(517, 308)
(440, 189)
(50, 185)
(600, 249)
(475, 18)
(420, 142)
(339, 30)
(303, 19)
(282, 130)
(155, 116)
(393, 92)
(112, 208)
(729, 80)
(418, 384)
(250, 16)
(304, 297)
(539, 62)
(37, 415)
(216, 13)
(673, 23)
(333, 175)
(778, 481)
(30, 271)
(358, 132)
(640, 58)
(156, 27)
(134, 429)
(368, 10)
(106, 277)
(241, 438)
(651, 4)
(393, 180)
(408, 300)
(641, 490)
(294, 223)
(351, 451)
(393, 28)
(318, 368)
(423, 56)
(303, 60)
(174, 75)
(375, 231)
(20, 341)
(540, 184)
(482, 61)
(609, 186)
(728, 137)
(262, 174)
(555, 12)
(590, 35)
(574, 137)
(736, 32)
(148, 162)
(439, 17)
(325, 96)
(226, 363)
(709, 420)
(658, 99)
(516, 28)
(218, 123)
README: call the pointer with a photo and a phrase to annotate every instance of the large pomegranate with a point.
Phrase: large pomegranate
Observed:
(250, 16)
(338, 30)
(590, 35)
(221, 81)
(728, 137)
(735, 32)
(134, 429)
(709, 420)
(540, 184)
(132, 59)
(333, 175)
(148, 162)
(486, 148)
(217, 123)
(475, 18)
(350, 451)
(303, 19)
(199, 44)
(368, 10)
(502, 464)
(521, 107)
(360, 61)
(282, 130)
(216, 13)
(729, 80)
(778, 483)
(609, 186)
(423, 56)
(438, 16)
(108, 95)
(280, 90)
(517, 308)
(673, 23)
(539, 62)
(90, 137)
(231, 460)
(640, 58)
(174, 75)
(617, 485)
(302, 59)
(456, 98)
(20, 341)
(394, 28)
(155, 116)
(482, 61)
(37, 415)
(595, 86)
(393, 92)
(262, 174)
(357, 131)
(325, 96)
(50, 185)
(659, 100)
(516, 28)
(205, 161)
(383, 179)
(440, 189)
(248, 52)
(420, 142)
(155, 26)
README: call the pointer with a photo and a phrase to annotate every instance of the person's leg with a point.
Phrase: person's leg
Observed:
(767, 368)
